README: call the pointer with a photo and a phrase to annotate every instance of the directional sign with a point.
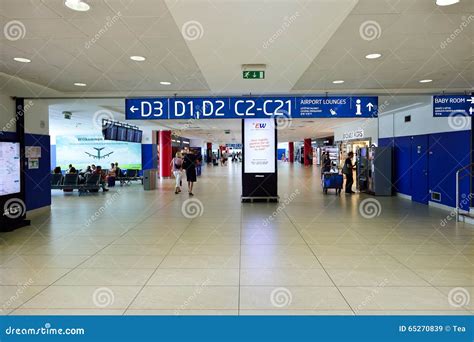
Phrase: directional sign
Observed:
(186, 108)
(253, 75)
(448, 105)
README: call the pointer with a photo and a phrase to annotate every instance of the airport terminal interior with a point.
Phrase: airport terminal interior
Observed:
(328, 145)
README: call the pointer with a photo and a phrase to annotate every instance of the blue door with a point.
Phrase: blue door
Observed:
(419, 169)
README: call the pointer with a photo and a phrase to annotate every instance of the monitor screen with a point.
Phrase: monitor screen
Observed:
(121, 133)
(130, 134)
(109, 131)
(138, 136)
(10, 170)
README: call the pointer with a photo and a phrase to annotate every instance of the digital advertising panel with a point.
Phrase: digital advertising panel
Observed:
(10, 171)
(259, 145)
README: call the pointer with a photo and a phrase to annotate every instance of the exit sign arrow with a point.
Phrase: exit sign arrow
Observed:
(253, 75)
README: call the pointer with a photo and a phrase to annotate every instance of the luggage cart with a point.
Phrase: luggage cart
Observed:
(332, 180)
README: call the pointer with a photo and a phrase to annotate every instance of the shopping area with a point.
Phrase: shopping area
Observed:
(313, 159)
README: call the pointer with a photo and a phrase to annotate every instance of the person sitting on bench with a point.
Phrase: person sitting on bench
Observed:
(103, 177)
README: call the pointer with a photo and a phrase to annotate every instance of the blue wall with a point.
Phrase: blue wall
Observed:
(448, 152)
(149, 156)
(37, 181)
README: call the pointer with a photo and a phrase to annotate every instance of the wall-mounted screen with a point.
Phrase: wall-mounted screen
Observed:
(131, 134)
(138, 136)
(10, 171)
(121, 133)
(109, 131)
(259, 145)
(84, 150)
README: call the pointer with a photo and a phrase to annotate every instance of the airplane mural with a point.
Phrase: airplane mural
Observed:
(98, 156)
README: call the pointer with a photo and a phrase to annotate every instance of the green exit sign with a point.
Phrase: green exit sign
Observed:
(253, 75)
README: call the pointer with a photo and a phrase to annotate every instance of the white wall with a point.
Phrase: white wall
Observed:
(7, 114)
(369, 126)
(422, 122)
(36, 117)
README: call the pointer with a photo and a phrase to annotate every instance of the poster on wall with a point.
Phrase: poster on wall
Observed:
(83, 150)
(10, 182)
(259, 146)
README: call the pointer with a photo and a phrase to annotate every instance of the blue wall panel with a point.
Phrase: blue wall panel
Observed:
(448, 153)
(402, 165)
(149, 156)
(383, 142)
(37, 181)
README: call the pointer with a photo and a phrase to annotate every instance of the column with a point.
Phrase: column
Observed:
(209, 152)
(291, 149)
(165, 153)
(308, 152)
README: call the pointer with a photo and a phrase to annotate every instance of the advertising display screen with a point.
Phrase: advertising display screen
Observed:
(10, 171)
(259, 144)
(84, 150)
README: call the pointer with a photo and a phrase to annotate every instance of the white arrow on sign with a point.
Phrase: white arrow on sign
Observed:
(133, 109)
(370, 106)
(471, 110)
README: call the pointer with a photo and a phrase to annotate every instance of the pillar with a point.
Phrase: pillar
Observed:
(165, 153)
(291, 151)
(209, 152)
(308, 151)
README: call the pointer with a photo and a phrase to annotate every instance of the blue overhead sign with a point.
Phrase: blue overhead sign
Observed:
(163, 108)
(449, 105)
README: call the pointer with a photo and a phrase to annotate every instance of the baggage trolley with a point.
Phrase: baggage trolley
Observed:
(332, 180)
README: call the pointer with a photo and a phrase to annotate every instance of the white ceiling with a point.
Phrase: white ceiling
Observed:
(316, 41)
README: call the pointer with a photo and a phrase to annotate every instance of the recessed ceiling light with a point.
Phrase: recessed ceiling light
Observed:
(338, 81)
(373, 55)
(137, 58)
(22, 60)
(79, 84)
(77, 5)
(426, 81)
(446, 2)
(165, 83)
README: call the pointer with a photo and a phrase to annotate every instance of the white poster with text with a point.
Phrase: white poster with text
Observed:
(259, 144)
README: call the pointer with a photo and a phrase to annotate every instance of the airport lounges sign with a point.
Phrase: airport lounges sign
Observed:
(256, 107)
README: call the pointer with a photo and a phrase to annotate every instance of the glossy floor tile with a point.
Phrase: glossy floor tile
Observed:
(157, 253)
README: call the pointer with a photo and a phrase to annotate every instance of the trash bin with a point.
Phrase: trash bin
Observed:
(149, 179)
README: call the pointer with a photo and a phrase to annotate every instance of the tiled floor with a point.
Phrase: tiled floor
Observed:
(134, 252)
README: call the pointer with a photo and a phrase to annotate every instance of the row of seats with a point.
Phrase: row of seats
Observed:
(70, 181)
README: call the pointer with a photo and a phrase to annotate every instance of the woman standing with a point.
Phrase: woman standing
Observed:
(176, 168)
(190, 166)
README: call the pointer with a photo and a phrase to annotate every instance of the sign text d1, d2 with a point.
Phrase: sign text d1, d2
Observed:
(257, 107)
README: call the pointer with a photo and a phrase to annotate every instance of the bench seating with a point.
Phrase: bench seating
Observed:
(70, 182)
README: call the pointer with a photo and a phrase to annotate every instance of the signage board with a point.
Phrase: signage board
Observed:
(259, 135)
(253, 75)
(449, 105)
(259, 107)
